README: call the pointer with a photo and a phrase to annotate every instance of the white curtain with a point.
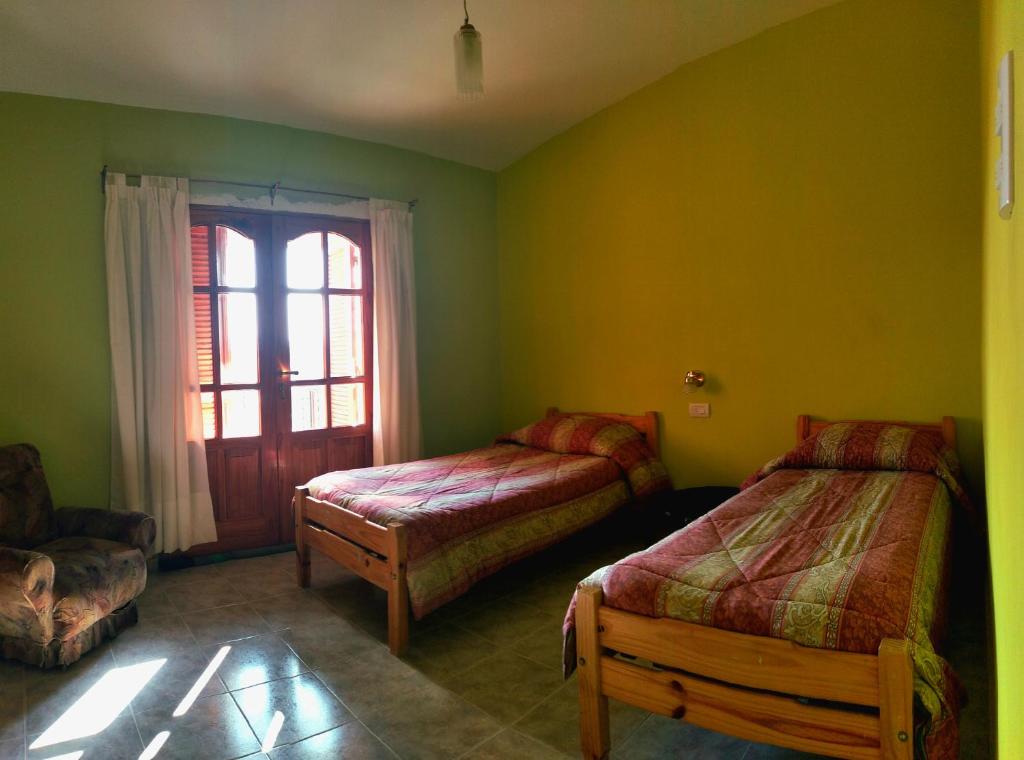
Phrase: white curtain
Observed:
(396, 400)
(158, 455)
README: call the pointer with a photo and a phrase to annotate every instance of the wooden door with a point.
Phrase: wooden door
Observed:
(324, 312)
(283, 305)
(232, 278)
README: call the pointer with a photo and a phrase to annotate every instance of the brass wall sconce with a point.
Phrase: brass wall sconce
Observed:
(694, 379)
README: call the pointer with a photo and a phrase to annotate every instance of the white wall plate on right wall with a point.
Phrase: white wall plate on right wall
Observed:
(1004, 130)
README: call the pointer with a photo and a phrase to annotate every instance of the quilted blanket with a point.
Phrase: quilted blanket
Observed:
(820, 555)
(468, 515)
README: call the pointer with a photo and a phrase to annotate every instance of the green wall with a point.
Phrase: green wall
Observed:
(54, 376)
(796, 215)
(1002, 30)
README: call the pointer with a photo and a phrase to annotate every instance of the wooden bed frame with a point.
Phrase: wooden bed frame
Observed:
(377, 552)
(746, 685)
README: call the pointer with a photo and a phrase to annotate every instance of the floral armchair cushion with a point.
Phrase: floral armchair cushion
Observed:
(26, 509)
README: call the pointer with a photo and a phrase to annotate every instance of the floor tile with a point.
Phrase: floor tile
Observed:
(256, 660)
(12, 711)
(555, 721)
(506, 685)
(213, 729)
(12, 749)
(154, 603)
(224, 624)
(350, 742)
(203, 595)
(512, 745)
(152, 637)
(324, 641)
(430, 722)
(543, 646)
(370, 680)
(552, 598)
(175, 681)
(294, 607)
(658, 737)
(263, 583)
(447, 650)
(504, 623)
(118, 741)
(290, 709)
(12, 672)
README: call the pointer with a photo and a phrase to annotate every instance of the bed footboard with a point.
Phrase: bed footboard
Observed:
(374, 552)
(742, 685)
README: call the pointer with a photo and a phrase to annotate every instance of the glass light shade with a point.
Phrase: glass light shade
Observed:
(469, 63)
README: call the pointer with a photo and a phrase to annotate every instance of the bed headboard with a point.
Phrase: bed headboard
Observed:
(806, 427)
(646, 423)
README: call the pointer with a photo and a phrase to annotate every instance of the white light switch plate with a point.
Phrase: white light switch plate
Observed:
(700, 410)
(1004, 130)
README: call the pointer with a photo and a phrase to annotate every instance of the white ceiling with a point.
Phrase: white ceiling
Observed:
(378, 70)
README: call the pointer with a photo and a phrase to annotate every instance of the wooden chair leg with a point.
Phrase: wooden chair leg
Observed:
(594, 735)
(896, 699)
(398, 593)
(302, 569)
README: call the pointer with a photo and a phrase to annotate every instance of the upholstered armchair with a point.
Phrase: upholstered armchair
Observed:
(68, 577)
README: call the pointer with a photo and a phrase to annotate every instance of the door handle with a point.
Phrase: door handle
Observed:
(286, 372)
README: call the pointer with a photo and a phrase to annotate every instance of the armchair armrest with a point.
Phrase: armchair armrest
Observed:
(26, 593)
(133, 528)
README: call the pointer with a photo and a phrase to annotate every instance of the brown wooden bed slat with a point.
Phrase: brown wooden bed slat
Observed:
(757, 662)
(349, 524)
(751, 715)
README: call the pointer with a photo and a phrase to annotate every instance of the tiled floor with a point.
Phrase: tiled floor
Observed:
(232, 660)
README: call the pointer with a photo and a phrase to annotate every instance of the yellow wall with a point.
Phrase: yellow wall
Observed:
(796, 215)
(1002, 30)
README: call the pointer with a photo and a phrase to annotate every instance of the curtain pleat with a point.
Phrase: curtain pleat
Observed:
(158, 462)
(396, 402)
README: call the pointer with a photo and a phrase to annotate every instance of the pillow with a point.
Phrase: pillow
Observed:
(872, 446)
(599, 436)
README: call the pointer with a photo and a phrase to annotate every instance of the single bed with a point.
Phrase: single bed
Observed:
(426, 531)
(804, 612)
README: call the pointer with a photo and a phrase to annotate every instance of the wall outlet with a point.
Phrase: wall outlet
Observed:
(700, 410)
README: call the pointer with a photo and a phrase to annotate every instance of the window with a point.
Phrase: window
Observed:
(227, 330)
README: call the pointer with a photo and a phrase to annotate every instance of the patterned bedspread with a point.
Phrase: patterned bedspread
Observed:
(469, 515)
(821, 555)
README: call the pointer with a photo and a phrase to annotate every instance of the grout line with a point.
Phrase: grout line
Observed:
(259, 741)
(131, 711)
(484, 741)
(354, 714)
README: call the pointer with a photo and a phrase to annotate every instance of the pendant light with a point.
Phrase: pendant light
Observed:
(469, 60)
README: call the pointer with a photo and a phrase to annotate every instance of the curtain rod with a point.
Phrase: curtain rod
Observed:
(273, 189)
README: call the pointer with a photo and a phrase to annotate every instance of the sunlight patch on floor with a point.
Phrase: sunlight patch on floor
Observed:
(273, 731)
(100, 705)
(154, 746)
(200, 684)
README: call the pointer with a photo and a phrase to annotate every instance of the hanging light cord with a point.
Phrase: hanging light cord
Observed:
(466, 10)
